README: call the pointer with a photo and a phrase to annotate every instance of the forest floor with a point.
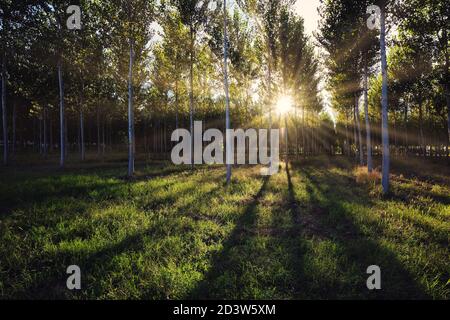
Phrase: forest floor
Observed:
(309, 232)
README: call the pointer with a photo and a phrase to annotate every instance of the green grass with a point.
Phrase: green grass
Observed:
(309, 232)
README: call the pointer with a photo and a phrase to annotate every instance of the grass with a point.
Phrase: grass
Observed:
(309, 232)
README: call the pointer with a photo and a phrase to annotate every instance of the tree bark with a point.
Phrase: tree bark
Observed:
(82, 145)
(103, 139)
(447, 98)
(346, 149)
(66, 138)
(360, 151)
(227, 98)
(44, 116)
(13, 146)
(384, 105)
(131, 150)
(191, 93)
(368, 130)
(176, 104)
(355, 136)
(98, 130)
(4, 114)
(421, 136)
(50, 123)
(40, 135)
(303, 132)
(61, 115)
(406, 127)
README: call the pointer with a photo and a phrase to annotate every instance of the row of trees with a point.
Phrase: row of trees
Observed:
(417, 78)
(169, 62)
(139, 69)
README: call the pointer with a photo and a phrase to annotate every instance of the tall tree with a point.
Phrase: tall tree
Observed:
(427, 21)
(226, 88)
(384, 102)
(131, 29)
(193, 14)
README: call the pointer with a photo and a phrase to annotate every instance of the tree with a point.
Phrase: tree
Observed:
(193, 14)
(428, 22)
(225, 83)
(131, 28)
(384, 103)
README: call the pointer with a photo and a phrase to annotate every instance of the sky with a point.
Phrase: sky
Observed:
(308, 10)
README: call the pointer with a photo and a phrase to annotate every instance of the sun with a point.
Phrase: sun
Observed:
(284, 105)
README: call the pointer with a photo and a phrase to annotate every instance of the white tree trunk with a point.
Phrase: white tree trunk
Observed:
(83, 153)
(4, 114)
(61, 115)
(14, 119)
(191, 94)
(229, 155)
(360, 151)
(447, 98)
(44, 117)
(130, 114)
(98, 130)
(384, 105)
(368, 131)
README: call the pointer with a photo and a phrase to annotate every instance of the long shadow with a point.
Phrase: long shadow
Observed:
(50, 282)
(216, 282)
(406, 194)
(289, 238)
(358, 249)
(428, 170)
(62, 190)
(103, 190)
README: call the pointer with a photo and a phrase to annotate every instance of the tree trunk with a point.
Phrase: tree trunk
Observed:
(191, 93)
(44, 116)
(145, 137)
(227, 98)
(103, 139)
(287, 140)
(130, 114)
(40, 136)
(406, 127)
(61, 115)
(384, 105)
(303, 132)
(82, 145)
(296, 134)
(447, 89)
(34, 134)
(355, 136)
(360, 151)
(176, 104)
(447, 98)
(66, 137)
(50, 124)
(98, 130)
(368, 130)
(421, 136)
(4, 114)
(13, 147)
(346, 149)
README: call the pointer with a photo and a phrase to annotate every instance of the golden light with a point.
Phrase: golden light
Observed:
(284, 105)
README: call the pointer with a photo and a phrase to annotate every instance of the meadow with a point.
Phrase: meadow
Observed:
(309, 232)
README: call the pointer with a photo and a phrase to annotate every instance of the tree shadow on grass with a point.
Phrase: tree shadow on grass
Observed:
(50, 267)
(356, 248)
(102, 189)
(223, 278)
